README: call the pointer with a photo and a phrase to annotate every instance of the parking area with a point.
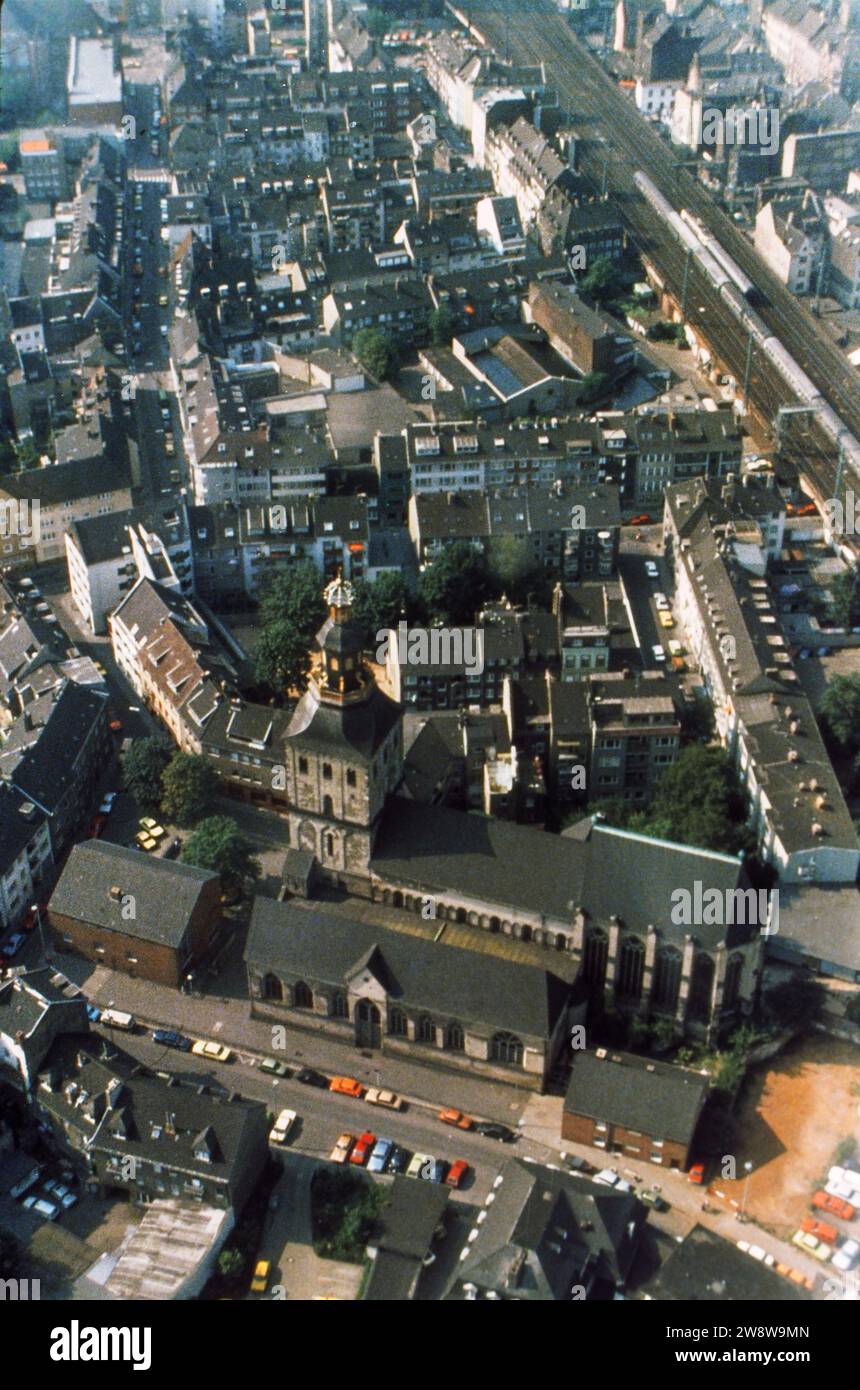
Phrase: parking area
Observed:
(794, 1112)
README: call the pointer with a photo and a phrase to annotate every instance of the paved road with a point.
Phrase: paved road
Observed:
(639, 591)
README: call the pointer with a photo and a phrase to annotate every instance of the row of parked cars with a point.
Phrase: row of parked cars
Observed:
(48, 1198)
(384, 1155)
(840, 1197)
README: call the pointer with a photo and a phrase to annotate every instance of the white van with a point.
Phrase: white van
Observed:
(115, 1018)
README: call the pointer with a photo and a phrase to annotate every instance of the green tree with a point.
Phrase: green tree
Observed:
(845, 598)
(231, 1263)
(698, 801)
(600, 281)
(292, 609)
(188, 787)
(455, 585)
(376, 352)
(441, 325)
(381, 604)
(282, 658)
(840, 708)
(143, 767)
(219, 844)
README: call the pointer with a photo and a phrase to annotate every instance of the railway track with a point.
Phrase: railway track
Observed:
(616, 143)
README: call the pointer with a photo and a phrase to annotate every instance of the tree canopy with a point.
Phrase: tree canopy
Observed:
(292, 609)
(840, 709)
(218, 844)
(455, 585)
(143, 765)
(381, 604)
(376, 352)
(698, 801)
(845, 598)
(188, 785)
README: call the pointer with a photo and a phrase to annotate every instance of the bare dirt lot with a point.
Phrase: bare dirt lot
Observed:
(794, 1112)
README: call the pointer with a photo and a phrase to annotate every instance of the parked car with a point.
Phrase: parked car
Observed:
(661, 603)
(666, 619)
(32, 916)
(657, 652)
(60, 1193)
(845, 1175)
(822, 1229)
(12, 945)
(492, 1130)
(456, 1118)
(273, 1067)
(118, 1018)
(836, 1206)
(378, 1160)
(643, 519)
(577, 1164)
(23, 1185)
(436, 1171)
(457, 1173)
(653, 1199)
(399, 1158)
(346, 1086)
(173, 848)
(42, 1206)
(93, 1014)
(847, 1255)
(812, 1245)
(340, 1152)
(216, 1052)
(309, 1077)
(842, 1190)
(260, 1281)
(96, 826)
(107, 802)
(675, 648)
(756, 1252)
(417, 1163)
(168, 1038)
(363, 1146)
(696, 1173)
(651, 570)
(388, 1099)
(607, 1178)
(282, 1126)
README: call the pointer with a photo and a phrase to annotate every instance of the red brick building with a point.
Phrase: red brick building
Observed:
(643, 1109)
(151, 918)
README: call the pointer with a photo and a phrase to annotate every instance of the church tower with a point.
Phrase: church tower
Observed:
(343, 751)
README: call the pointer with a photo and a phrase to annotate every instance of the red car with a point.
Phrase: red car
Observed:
(115, 726)
(697, 1173)
(97, 825)
(457, 1172)
(820, 1229)
(456, 1118)
(363, 1146)
(836, 1206)
(643, 520)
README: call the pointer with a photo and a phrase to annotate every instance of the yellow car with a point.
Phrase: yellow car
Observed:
(818, 1249)
(146, 823)
(387, 1099)
(157, 832)
(216, 1052)
(145, 840)
(675, 648)
(260, 1281)
(666, 619)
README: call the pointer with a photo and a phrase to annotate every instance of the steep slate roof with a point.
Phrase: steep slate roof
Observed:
(438, 850)
(356, 729)
(644, 1096)
(544, 1231)
(304, 942)
(38, 755)
(165, 893)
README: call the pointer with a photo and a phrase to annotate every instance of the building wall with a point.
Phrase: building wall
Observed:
(582, 1129)
(142, 959)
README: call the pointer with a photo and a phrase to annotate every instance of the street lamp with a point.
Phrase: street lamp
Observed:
(35, 908)
(747, 1169)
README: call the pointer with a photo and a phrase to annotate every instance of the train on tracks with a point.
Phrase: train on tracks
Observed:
(739, 293)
